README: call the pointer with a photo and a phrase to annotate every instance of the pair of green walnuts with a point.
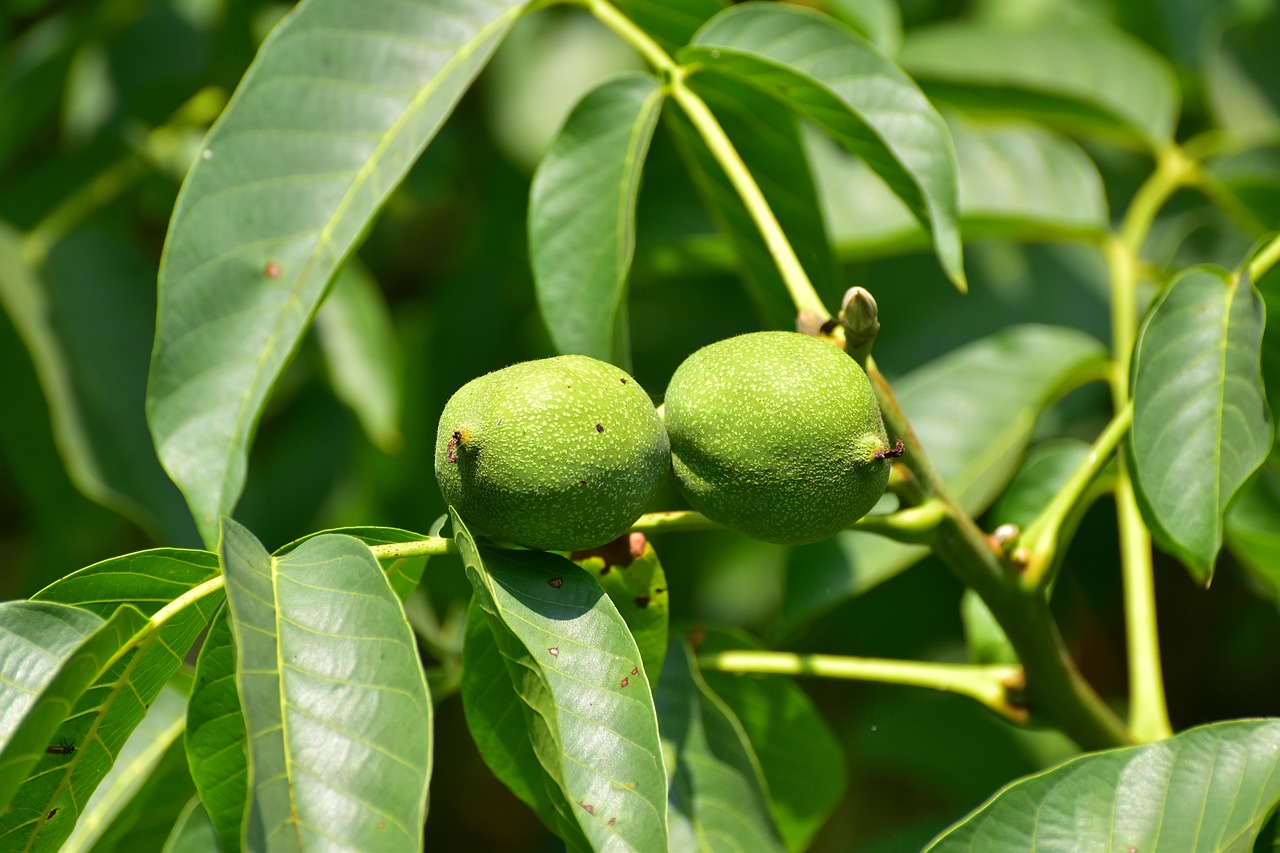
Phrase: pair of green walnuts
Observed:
(774, 434)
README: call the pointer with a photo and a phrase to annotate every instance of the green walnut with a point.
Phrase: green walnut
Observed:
(777, 435)
(560, 454)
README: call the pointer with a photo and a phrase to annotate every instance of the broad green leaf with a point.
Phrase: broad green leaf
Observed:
(671, 22)
(586, 707)
(1092, 79)
(336, 107)
(802, 761)
(974, 411)
(215, 736)
(879, 21)
(1044, 471)
(1209, 788)
(1200, 419)
(1253, 528)
(1017, 181)
(129, 794)
(192, 832)
(403, 573)
(767, 137)
(1242, 83)
(629, 571)
(359, 343)
(499, 729)
(1252, 181)
(844, 84)
(331, 689)
(717, 796)
(582, 208)
(103, 716)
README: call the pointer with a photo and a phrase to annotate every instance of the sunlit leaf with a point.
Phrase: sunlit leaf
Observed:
(1200, 419)
(332, 113)
(582, 217)
(331, 689)
(403, 573)
(844, 84)
(585, 705)
(1209, 788)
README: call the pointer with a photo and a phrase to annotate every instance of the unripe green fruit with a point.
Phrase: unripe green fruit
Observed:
(560, 454)
(777, 435)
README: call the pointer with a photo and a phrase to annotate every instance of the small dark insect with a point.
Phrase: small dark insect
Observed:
(50, 815)
(624, 382)
(555, 583)
(642, 601)
(599, 427)
(62, 747)
(898, 450)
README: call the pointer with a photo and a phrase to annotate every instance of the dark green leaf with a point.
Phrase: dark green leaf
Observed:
(331, 689)
(1242, 79)
(582, 217)
(215, 736)
(193, 832)
(586, 708)
(671, 22)
(359, 342)
(148, 774)
(802, 762)
(1209, 788)
(717, 796)
(1086, 78)
(1200, 420)
(974, 411)
(853, 92)
(1044, 471)
(767, 137)
(629, 571)
(1253, 528)
(332, 113)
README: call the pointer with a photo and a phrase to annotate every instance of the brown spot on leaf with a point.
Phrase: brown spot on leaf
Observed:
(625, 682)
(635, 670)
(272, 270)
(555, 583)
(590, 808)
(642, 601)
(611, 821)
(554, 651)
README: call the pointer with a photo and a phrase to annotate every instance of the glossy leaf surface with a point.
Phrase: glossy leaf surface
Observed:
(337, 106)
(1209, 788)
(329, 680)
(1200, 420)
(845, 85)
(585, 704)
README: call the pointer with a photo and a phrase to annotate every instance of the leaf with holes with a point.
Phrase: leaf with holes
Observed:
(584, 702)
(1200, 421)
(332, 689)
(1209, 788)
(337, 105)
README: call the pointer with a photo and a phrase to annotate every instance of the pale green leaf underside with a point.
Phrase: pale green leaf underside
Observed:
(1083, 76)
(334, 699)
(974, 411)
(338, 104)
(844, 84)
(1200, 423)
(585, 701)
(1209, 788)
(582, 216)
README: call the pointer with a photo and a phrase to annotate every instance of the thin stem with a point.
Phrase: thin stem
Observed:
(1267, 258)
(608, 14)
(98, 193)
(1042, 535)
(990, 685)
(432, 546)
(1174, 169)
(158, 619)
(915, 525)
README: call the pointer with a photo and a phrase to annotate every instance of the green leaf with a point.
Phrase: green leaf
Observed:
(140, 782)
(1242, 84)
(1017, 181)
(1253, 528)
(582, 207)
(1209, 788)
(974, 411)
(215, 736)
(331, 689)
(802, 761)
(767, 137)
(103, 716)
(628, 570)
(879, 21)
(1044, 471)
(336, 107)
(1200, 419)
(1086, 78)
(717, 796)
(358, 340)
(403, 573)
(193, 832)
(844, 84)
(589, 716)
(670, 22)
